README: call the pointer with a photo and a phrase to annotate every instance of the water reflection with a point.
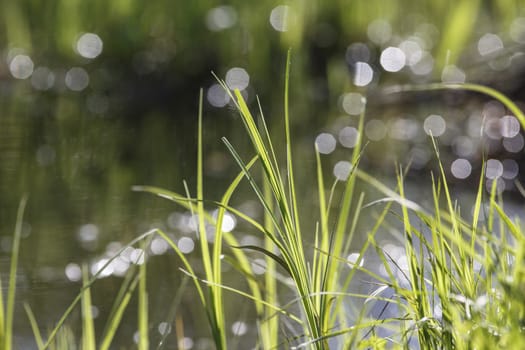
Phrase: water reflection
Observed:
(353, 103)
(221, 18)
(413, 50)
(509, 126)
(21, 66)
(89, 45)
(452, 74)
(187, 343)
(392, 59)
(73, 272)
(237, 78)
(353, 258)
(42, 78)
(405, 129)
(88, 236)
(348, 136)
(375, 130)
(159, 246)
(514, 144)
(434, 125)
(228, 221)
(510, 169)
(424, 66)
(325, 143)
(493, 169)
(186, 245)
(164, 328)
(357, 52)
(489, 44)
(239, 328)
(216, 96)
(342, 170)
(279, 18)
(363, 74)
(77, 79)
(461, 168)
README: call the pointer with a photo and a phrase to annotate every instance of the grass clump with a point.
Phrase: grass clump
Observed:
(454, 284)
(61, 336)
(454, 291)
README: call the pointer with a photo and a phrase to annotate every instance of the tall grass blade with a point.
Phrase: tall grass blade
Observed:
(269, 325)
(116, 315)
(217, 251)
(88, 327)
(143, 305)
(289, 162)
(268, 253)
(34, 327)
(216, 312)
(10, 307)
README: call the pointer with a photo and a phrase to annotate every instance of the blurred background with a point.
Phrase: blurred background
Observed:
(98, 96)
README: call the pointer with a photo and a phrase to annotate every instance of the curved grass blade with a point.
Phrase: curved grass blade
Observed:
(469, 87)
(217, 249)
(340, 332)
(266, 252)
(289, 163)
(249, 296)
(116, 315)
(34, 327)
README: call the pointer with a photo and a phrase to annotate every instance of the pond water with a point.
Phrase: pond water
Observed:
(79, 128)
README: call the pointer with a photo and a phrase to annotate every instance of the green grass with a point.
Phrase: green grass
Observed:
(469, 270)
(453, 267)
(7, 311)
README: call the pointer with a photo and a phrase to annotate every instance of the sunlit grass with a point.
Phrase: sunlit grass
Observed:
(7, 312)
(61, 337)
(460, 285)
(448, 269)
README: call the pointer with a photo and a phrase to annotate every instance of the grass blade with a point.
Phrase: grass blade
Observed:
(88, 327)
(55, 331)
(116, 316)
(8, 335)
(289, 162)
(143, 305)
(266, 252)
(469, 87)
(34, 327)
